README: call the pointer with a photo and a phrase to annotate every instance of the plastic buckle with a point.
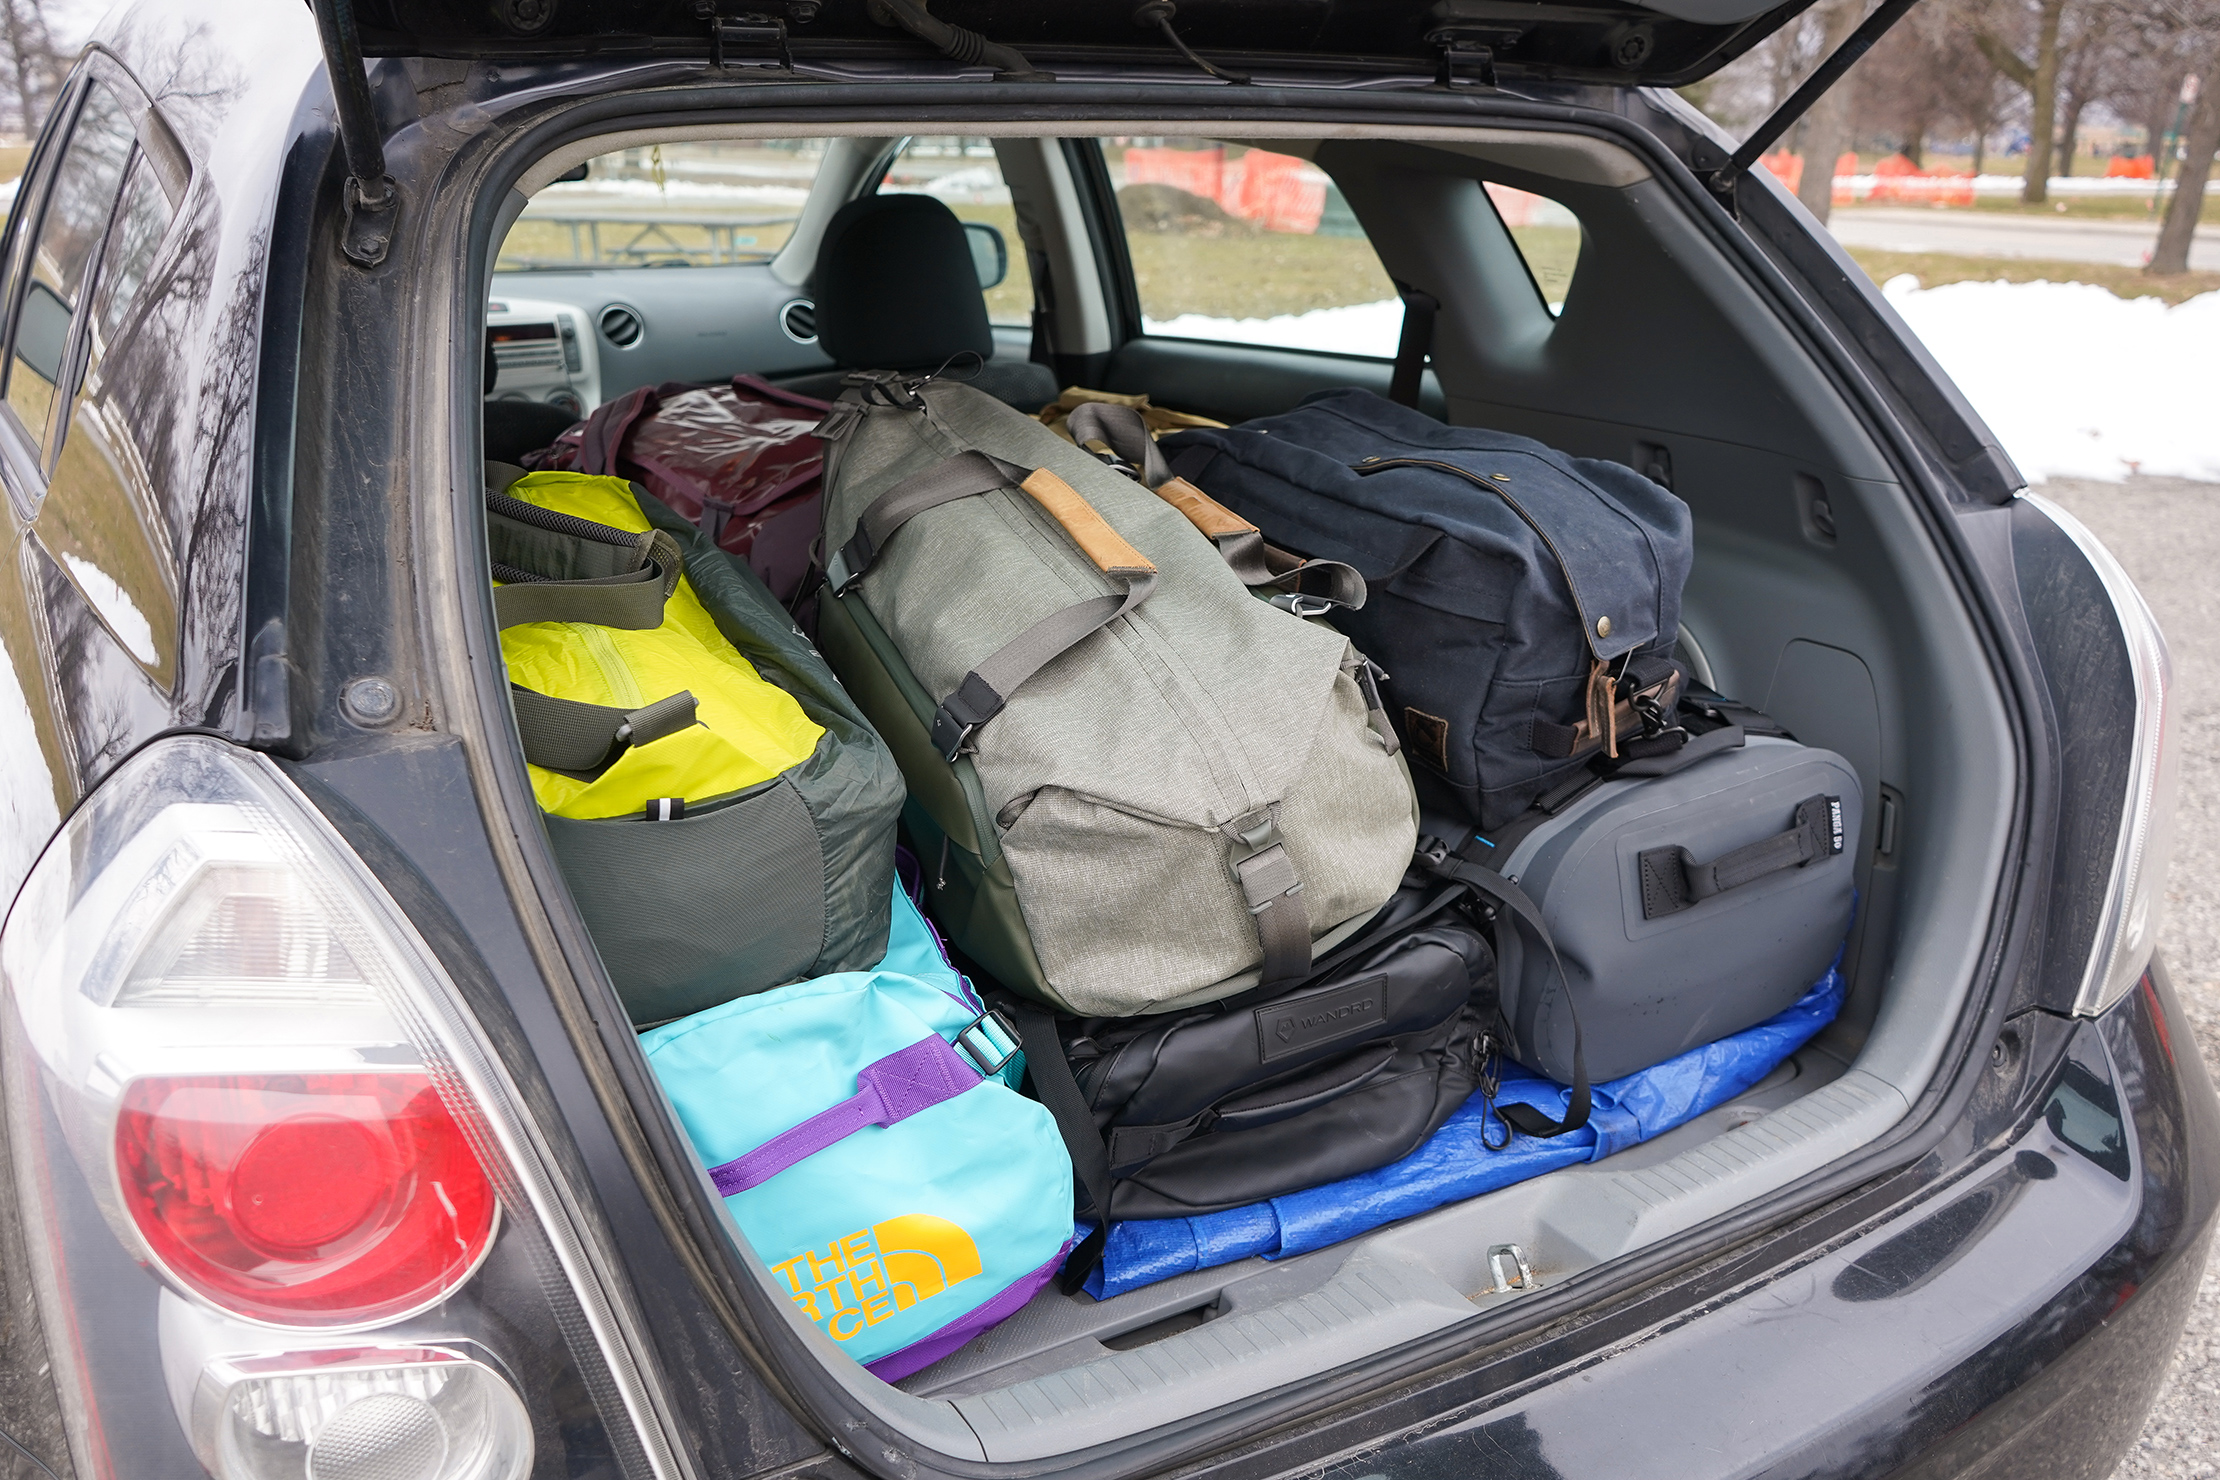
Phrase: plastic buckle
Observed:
(989, 1042)
(838, 578)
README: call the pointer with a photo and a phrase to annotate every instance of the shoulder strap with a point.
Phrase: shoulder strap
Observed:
(986, 689)
(1511, 897)
(1309, 588)
(632, 598)
(1090, 1158)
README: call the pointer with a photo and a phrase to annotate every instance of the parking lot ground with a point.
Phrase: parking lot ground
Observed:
(2167, 533)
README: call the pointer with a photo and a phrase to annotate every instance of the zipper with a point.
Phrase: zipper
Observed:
(624, 688)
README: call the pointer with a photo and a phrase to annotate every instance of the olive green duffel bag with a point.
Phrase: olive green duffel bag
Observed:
(1134, 786)
(724, 814)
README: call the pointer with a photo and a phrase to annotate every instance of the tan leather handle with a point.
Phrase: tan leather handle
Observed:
(1088, 530)
(1203, 511)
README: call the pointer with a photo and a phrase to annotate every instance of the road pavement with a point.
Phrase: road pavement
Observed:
(2166, 531)
(1966, 232)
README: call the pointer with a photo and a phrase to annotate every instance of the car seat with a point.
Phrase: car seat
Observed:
(896, 289)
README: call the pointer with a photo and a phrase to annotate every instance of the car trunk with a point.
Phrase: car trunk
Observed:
(1818, 594)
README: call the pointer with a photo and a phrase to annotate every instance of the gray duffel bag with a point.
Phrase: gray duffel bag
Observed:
(1684, 907)
(1134, 785)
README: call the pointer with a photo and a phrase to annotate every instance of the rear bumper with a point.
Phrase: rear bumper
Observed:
(2016, 1319)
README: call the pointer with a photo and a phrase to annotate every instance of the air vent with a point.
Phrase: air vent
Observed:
(799, 320)
(621, 326)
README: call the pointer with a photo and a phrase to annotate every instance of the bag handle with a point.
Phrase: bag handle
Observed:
(574, 736)
(1132, 1147)
(986, 689)
(1119, 436)
(1672, 879)
(888, 1091)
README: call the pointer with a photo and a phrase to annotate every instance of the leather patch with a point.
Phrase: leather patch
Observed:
(1283, 1028)
(1428, 735)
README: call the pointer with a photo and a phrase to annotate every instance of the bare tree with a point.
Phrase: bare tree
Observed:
(2039, 76)
(2171, 255)
(1827, 128)
(35, 67)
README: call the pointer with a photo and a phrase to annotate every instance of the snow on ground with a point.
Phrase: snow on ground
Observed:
(1356, 329)
(2075, 382)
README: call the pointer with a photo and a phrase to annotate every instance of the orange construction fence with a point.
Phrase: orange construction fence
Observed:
(1275, 191)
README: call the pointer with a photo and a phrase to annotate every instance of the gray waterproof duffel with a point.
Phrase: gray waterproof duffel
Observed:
(1135, 786)
(1685, 907)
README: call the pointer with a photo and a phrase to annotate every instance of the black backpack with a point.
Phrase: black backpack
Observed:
(1277, 1089)
(1524, 604)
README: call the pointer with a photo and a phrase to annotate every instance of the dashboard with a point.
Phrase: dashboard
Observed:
(637, 326)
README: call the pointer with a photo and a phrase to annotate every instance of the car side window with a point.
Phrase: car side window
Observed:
(1241, 244)
(1547, 236)
(77, 212)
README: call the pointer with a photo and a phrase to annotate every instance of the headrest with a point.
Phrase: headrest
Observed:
(896, 288)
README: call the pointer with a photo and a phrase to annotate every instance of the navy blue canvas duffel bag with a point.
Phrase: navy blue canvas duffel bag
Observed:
(1525, 604)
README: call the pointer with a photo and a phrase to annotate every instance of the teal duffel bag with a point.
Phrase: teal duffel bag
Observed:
(864, 1130)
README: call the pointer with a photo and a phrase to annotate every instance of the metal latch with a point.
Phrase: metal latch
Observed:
(1506, 1261)
(755, 28)
(1467, 49)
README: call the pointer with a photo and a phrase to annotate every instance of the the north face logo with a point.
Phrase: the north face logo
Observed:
(875, 1273)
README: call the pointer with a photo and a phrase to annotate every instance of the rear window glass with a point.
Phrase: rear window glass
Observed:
(669, 205)
(1240, 244)
(1548, 237)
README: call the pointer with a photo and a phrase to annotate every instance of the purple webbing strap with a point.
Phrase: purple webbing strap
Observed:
(892, 1089)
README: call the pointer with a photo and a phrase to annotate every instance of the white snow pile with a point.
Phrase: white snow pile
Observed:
(2075, 382)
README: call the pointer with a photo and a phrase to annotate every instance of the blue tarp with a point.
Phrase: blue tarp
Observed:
(1454, 1165)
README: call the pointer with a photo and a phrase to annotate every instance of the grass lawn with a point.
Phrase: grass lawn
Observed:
(1933, 269)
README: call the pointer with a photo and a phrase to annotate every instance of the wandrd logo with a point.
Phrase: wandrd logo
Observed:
(1324, 1017)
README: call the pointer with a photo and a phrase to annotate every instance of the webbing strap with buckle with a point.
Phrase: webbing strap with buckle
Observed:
(1273, 889)
(986, 689)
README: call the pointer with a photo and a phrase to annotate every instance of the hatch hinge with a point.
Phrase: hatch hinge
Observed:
(373, 201)
(752, 27)
(1470, 50)
(1829, 72)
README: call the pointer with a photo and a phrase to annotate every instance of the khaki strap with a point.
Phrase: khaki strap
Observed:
(1204, 512)
(1088, 530)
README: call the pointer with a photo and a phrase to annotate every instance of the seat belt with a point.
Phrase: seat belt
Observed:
(1417, 345)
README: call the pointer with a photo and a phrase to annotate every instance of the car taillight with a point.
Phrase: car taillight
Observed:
(2143, 847)
(308, 1199)
(227, 1058)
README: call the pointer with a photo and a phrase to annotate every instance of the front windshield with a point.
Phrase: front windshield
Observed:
(668, 205)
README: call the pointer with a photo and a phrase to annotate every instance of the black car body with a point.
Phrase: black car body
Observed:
(241, 455)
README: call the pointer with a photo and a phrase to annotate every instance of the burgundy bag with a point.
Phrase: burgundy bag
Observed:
(737, 459)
